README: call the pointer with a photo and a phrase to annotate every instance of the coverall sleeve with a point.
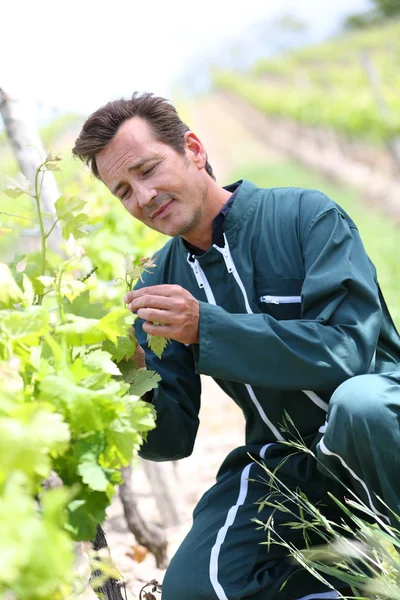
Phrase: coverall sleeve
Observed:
(176, 400)
(334, 340)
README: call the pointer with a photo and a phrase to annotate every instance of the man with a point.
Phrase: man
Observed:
(272, 294)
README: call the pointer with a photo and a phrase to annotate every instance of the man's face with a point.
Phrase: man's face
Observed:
(160, 187)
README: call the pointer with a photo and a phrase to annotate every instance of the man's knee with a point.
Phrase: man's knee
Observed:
(361, 399)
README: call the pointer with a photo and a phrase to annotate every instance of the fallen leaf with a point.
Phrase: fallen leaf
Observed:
(137, 553)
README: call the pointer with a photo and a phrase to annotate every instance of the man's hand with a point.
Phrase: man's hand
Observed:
(139, 357)
(171, 305)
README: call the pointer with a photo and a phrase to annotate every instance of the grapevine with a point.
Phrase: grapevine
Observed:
(70, 405)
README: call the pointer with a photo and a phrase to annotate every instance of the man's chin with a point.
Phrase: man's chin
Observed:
(175, 229)
(170, 230)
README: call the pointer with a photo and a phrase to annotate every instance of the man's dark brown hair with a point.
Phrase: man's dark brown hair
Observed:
(100, 128)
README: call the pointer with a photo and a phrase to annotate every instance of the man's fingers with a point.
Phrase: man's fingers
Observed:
(160, 330)
(150, 301)
(154, 290)
(153, 315)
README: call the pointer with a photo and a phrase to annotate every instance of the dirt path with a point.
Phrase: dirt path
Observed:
(228, 144)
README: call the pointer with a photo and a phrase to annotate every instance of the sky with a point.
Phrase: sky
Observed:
(76, 55)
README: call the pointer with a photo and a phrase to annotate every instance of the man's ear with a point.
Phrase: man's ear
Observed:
(195, 149)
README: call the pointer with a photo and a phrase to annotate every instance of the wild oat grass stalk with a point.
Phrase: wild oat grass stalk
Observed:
(360, 550)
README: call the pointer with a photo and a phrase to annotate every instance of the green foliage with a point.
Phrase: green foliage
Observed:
(36, 553)
(327, 86)
(69, 213)
(388, 8)
(157, 344)
(382, 11)
(69, 403)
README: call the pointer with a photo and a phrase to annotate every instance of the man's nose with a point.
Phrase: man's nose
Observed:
(145, 195)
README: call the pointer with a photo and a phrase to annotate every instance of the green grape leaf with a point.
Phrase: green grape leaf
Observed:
(82, 307)
(128, 370)
(29, 292)
(28, 437)
(134, 269)
(79, 331)
(16, 186)
(10, 293)
(79, 370)
(86, 409)
(17, 265)
(143, 381)
(53, 503)
(74, 226)
(116, 323)
(125, 435)
(85, 512)
(27, 326)
(33, 269)
(50, 166)
(124, 349)
(29, 573)
(93, 475)
(157, 344)
(71, 288)
(46, 281)
(98, 360)
(66, 207)
(71, 215)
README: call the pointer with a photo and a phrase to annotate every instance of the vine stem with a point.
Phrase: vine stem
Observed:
(51, 228)
(59, 296)
(58, 287)
(41, 224)
(15, 216)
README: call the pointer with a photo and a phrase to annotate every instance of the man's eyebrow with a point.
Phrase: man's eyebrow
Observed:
(135, 167)
(117, 188)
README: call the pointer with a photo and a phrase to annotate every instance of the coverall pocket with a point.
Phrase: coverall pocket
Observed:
(280, 298)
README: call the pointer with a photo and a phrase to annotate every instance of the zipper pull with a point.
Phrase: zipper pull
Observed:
(227, 257)
(228, 260)
(195, 267)
(269, 300)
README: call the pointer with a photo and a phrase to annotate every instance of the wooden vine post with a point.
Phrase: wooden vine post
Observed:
(28, 149)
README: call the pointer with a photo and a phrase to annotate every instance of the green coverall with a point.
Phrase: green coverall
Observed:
(291, 321)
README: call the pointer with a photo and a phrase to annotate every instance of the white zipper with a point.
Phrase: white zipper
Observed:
(280, 299)
(230, 265)
(201, 279)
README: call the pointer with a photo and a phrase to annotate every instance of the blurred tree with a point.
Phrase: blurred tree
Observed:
(380, 12)
(388, 8)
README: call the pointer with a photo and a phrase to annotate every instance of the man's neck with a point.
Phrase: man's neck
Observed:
(202, 237)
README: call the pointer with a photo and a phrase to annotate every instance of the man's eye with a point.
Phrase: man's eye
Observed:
(125, 195)
(148, 171)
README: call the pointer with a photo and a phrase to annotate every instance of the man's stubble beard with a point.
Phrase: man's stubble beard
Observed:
(191, 223)
(193, 219)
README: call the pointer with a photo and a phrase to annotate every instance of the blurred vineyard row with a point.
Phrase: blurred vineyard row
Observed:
(350, 84)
